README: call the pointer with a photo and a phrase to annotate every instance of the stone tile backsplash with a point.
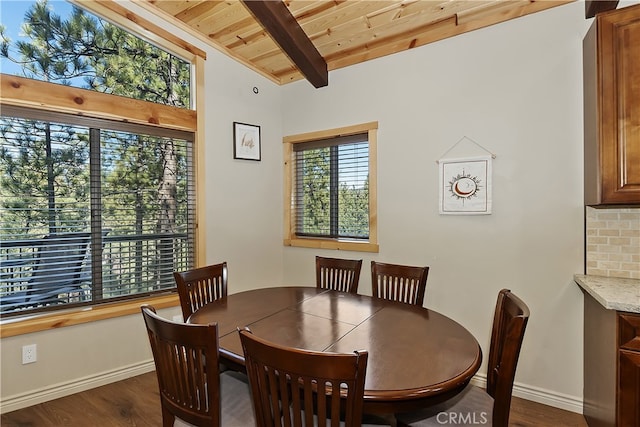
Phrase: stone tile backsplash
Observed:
(613, 242)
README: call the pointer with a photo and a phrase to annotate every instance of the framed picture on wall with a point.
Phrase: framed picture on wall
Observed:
(246, 141)
(465, 186)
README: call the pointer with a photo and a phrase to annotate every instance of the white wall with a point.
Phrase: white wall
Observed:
(515, 89)
(243, 197)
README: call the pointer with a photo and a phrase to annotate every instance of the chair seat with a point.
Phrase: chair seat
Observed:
(473, 406)
(235, 401)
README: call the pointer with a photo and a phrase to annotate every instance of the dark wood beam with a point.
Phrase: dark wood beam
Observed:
(278, 21)
(591, 7)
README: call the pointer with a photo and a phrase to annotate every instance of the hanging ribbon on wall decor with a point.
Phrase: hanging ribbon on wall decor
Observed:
(465, 183)
(465, 138)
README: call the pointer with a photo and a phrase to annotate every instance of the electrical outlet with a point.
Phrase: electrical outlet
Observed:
(29, 354)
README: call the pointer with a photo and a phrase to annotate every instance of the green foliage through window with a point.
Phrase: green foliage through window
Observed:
(332, 188)
(81, 50)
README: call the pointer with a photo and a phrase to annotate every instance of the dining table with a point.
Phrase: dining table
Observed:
(417, 356)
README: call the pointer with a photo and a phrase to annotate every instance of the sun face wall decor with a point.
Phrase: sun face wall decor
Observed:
(465, 186)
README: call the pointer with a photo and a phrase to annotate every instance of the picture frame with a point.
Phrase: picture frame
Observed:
(246, 141)
(465, 186)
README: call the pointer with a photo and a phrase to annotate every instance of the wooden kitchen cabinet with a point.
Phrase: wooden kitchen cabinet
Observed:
(611, 366)
(612, 108)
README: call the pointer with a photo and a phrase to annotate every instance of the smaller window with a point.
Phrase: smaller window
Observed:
(330, 187)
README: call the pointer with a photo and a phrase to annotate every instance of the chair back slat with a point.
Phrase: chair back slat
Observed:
(200, 286)
(293, 387)
(509, 324)
(400, 283)
(338, 274)
(186, 359)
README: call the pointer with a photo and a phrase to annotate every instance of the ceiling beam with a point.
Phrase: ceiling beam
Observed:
(278, 21)
(591, 7)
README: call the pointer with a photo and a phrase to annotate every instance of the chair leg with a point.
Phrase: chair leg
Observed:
(168, 419)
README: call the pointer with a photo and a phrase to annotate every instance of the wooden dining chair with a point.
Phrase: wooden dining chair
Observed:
(338, 274)
(490, 408)
(293, 387)
(192, 388)
(201, 286)
(400, 283)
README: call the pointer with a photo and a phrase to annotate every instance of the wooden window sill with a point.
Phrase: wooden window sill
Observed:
(345, 245)
(42, 322)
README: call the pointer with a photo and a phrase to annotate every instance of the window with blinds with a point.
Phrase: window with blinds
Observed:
(332, 187)
(91, 211)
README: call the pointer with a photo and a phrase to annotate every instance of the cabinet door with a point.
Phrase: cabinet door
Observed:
(619, 109)
(628, 389)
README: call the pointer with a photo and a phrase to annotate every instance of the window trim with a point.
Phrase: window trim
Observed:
(290, 238)
(19, 91)
(76, 316)
(35, 94)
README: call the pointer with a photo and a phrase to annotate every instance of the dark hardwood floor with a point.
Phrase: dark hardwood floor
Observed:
(136, 402)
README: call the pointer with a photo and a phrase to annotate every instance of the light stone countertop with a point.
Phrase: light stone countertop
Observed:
(612, 292)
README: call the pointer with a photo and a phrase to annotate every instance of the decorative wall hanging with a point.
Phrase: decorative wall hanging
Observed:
(246, 141)
(465, 184)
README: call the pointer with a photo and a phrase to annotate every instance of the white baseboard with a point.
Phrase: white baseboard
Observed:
(12, 403)
(539, 395)
(56, 391)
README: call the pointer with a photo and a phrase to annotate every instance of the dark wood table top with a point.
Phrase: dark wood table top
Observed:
(417, 357)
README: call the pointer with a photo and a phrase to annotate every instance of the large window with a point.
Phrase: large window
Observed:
(97, 193)
(90, 211)
(330, 184)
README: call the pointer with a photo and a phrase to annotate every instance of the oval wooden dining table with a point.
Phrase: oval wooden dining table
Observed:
(417, 357)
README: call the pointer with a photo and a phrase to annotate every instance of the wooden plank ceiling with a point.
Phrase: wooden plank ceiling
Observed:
(343, 32)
